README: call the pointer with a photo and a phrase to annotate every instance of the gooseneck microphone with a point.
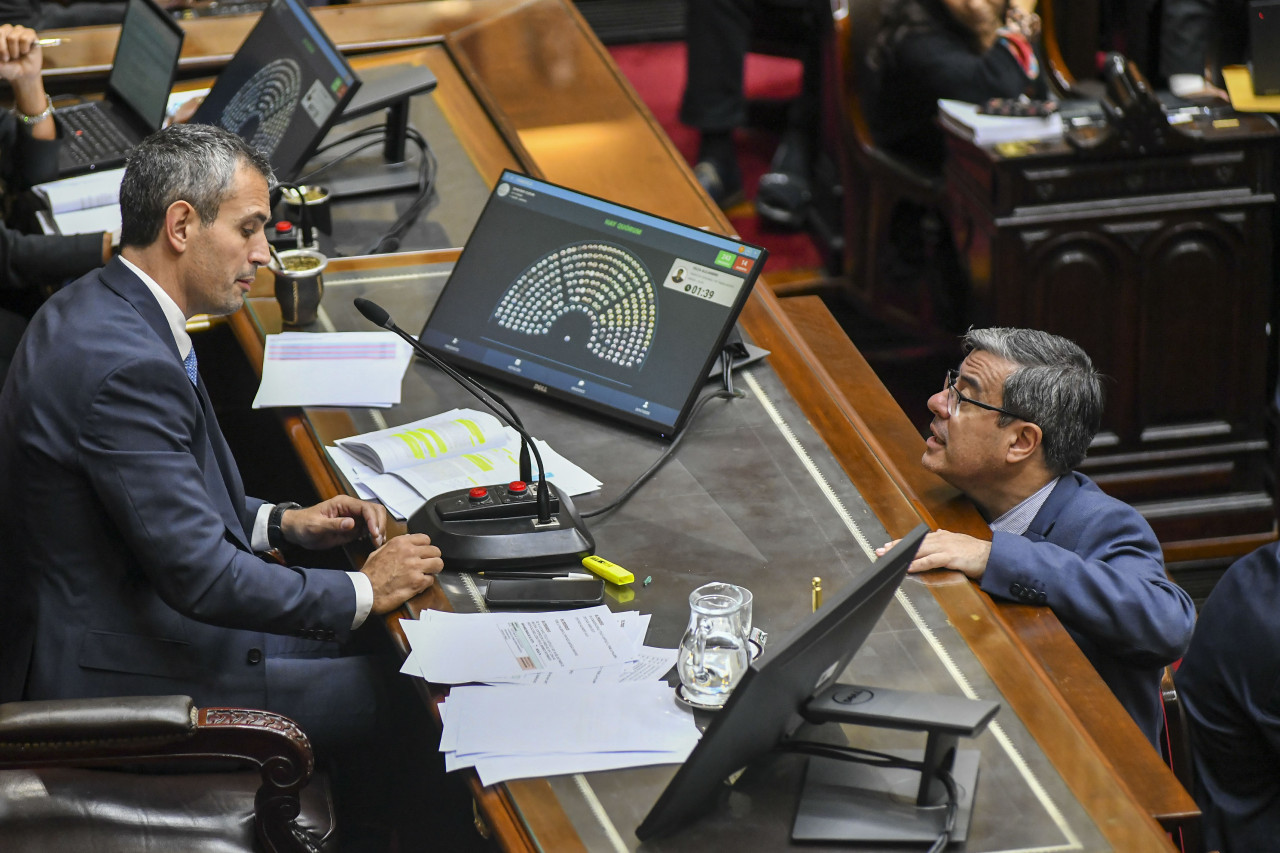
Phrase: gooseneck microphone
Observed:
(378, 315)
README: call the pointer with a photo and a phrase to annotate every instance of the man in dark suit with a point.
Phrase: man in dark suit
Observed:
(131, 562)
(1229, 682)
(1008, 428)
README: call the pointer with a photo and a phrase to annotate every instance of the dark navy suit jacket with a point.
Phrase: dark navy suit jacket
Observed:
(1095, 562)
(127, 566)
(1229, 682)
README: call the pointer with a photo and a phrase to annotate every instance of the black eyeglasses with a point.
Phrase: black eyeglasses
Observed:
(955, 398)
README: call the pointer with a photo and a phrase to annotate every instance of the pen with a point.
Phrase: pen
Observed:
(557, 576)
(51, 42)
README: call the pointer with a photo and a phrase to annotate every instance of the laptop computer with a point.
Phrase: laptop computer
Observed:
(283, 89)
(602, 306)
(99, 134)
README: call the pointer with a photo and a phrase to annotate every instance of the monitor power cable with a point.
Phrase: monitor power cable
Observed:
(725, 393)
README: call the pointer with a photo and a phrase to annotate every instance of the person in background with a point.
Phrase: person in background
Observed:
(1199, 37)
(62, 13)
(964, 50)
(1009, 428)
(718, 35)
(1229, 684)
(32, 264)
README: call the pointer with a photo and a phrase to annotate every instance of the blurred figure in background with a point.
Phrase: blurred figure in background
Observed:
(32, 264)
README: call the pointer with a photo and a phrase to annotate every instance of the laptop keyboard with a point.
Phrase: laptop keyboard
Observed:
(89, 135)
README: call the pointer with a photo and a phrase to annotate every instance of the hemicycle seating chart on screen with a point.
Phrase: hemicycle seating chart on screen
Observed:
(606, 282)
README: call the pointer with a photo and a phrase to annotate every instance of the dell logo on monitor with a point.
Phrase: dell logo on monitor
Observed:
(538, 386)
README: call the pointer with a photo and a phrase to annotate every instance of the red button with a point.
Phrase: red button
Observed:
(479, 493)
(284, 226)
(518, 487)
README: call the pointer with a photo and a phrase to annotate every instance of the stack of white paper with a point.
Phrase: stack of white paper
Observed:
(404, 466)
(332, 369)
(990, 129)
(517, 731)
(581, 696)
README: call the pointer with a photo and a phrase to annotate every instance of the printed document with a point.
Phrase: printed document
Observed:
(456, 648)
(332, 369)
(454, 450)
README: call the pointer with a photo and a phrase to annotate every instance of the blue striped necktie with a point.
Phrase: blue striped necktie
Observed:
(190, 364)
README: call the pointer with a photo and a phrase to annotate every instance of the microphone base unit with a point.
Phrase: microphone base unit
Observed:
(498, 525)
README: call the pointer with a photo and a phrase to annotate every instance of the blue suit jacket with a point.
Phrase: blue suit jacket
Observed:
(128, 566)
(1096, 563)
(1229, 682)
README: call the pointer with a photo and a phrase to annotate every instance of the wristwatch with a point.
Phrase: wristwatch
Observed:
(275, 534)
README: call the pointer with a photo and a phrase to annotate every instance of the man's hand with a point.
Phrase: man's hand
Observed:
(334, 522)
(943, 549)
(401, 569)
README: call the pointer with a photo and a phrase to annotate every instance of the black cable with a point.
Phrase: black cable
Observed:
(428, 169)
(664, 456)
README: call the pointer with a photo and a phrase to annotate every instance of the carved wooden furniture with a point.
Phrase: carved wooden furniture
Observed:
(1160, 267)
(121, 774)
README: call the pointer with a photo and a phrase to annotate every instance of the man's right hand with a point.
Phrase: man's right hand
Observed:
(401, 569)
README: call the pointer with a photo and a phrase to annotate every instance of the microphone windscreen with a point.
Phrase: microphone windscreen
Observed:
(373, 312)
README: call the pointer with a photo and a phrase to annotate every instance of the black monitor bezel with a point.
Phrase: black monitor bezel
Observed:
(615, 414)
(116, 94)
(758, 715)
(288, 170)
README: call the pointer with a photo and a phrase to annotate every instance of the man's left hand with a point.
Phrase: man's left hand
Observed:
(334, 522)
(943, 549)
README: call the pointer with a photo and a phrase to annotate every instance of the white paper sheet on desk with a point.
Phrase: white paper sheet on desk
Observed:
(650, 664)
(456, 648)
(634, 624)
(494, 769)
(592, 718)
(332, 369)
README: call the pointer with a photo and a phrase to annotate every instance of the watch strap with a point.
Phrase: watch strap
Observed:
(275, 533)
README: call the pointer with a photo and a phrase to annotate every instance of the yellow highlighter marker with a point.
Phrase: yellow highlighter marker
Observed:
(611, 572)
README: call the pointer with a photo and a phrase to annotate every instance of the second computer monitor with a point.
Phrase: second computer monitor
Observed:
(283, 89)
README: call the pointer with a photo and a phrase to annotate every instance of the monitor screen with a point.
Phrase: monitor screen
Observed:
(618, 311)
(146, 60)
(765, 706)
(283, 89)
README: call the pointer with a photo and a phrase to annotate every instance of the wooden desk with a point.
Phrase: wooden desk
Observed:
(574, 120)
(1160, 267)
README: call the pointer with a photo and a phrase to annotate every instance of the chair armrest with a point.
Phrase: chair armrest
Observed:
(30, 728)
(136, 730)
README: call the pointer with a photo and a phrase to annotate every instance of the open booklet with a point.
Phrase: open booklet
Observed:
(85, 204)
(403, 466)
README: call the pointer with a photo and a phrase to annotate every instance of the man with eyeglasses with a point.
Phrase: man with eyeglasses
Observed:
(1008, 428)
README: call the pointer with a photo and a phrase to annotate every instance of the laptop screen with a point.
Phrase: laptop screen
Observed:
(615, 310)
(283, 88)
(146, 61)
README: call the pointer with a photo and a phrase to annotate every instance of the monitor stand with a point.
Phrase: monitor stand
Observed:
(847, 801)
(397, 166)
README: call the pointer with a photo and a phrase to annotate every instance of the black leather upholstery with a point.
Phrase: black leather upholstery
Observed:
(155, 773)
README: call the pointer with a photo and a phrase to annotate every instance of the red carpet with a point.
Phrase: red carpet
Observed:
(657, 71)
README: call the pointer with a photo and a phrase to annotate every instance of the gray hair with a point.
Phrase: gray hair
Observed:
(1054, 387)
(195, 163)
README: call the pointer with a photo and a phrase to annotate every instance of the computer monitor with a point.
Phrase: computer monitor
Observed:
(146, 62)
(283, 89)
(766, 705)
(614, 310)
